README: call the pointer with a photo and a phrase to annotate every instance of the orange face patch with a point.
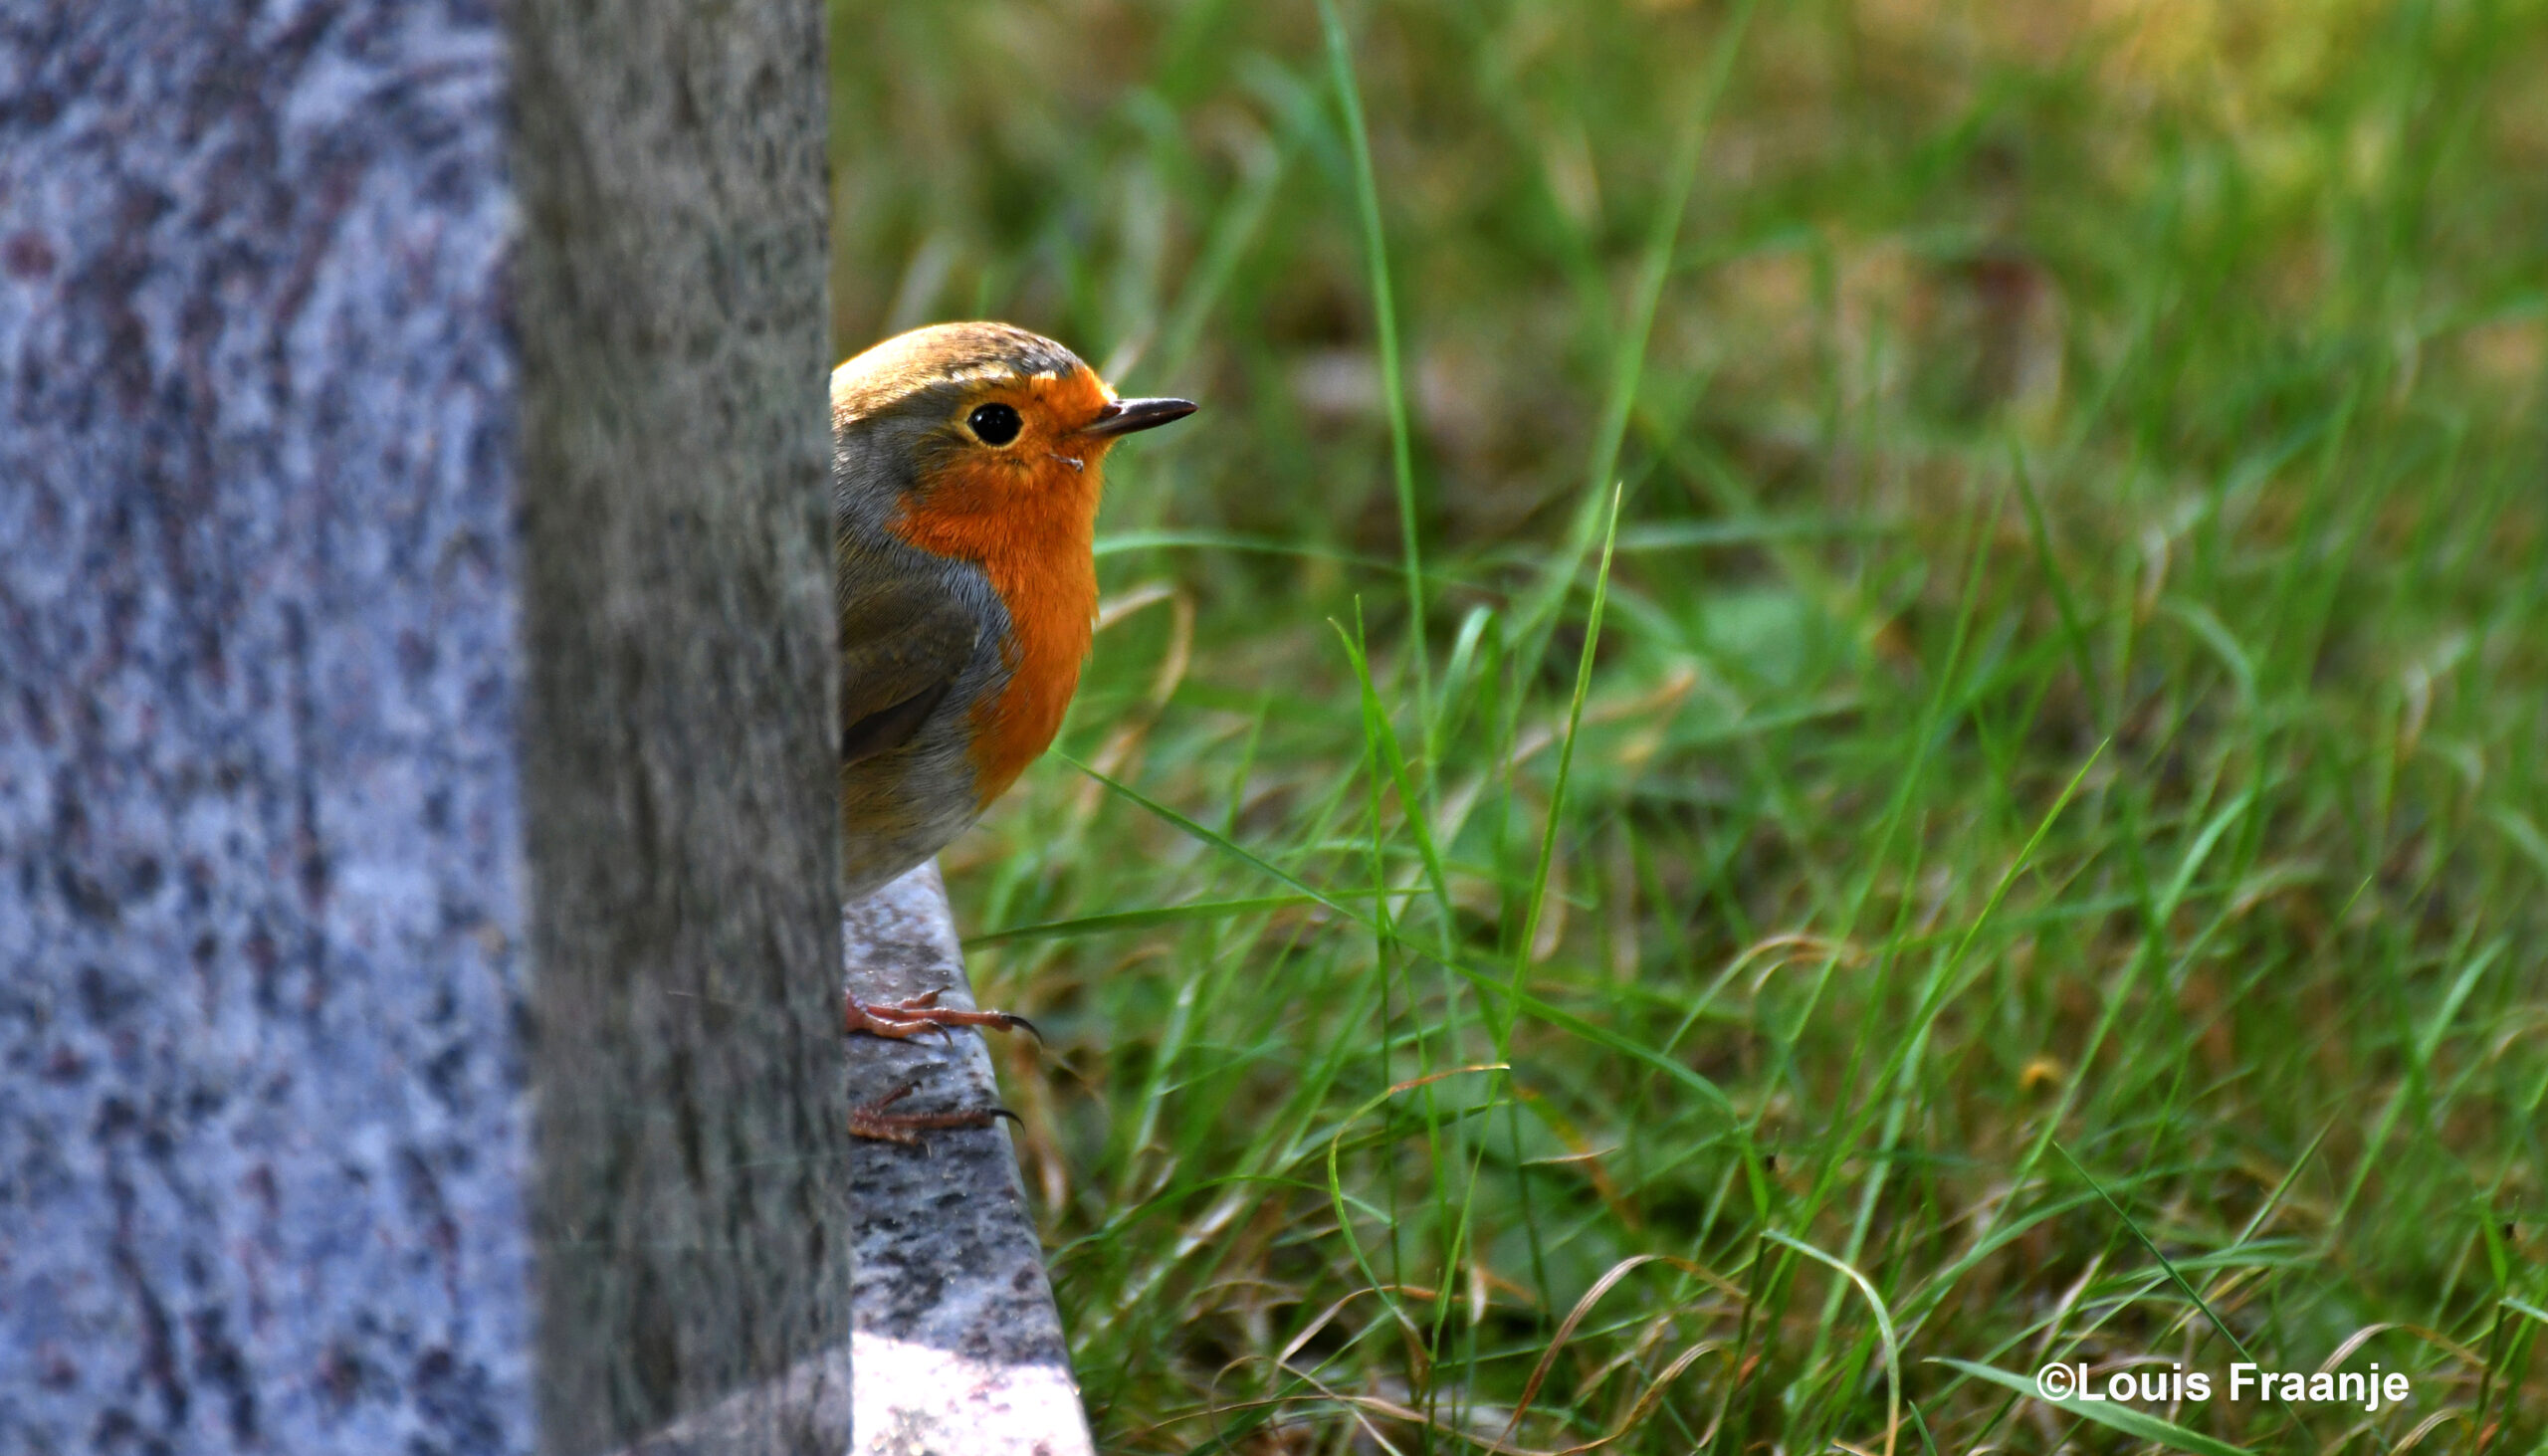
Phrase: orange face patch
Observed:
(1026, 514)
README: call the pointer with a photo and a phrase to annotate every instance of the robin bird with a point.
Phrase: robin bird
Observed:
(967, 463)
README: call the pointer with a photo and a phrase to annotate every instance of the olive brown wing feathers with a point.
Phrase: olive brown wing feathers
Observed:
(900, 649)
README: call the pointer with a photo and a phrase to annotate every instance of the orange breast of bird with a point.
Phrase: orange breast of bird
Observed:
(1031, 522)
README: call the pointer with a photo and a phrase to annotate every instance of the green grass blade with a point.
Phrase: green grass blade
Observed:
(1140, 919)
(1549, 831)
(1367, 197)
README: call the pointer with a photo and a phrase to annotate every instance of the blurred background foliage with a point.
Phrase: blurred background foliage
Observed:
(2053, 819)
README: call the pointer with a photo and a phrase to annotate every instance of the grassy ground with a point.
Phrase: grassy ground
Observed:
(1829, 688)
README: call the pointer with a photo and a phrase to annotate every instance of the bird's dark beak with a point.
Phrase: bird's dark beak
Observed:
(1124, 416)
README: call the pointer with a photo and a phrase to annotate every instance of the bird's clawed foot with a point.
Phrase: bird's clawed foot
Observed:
(899, 1021)
(871, 1120)
(902, 1019)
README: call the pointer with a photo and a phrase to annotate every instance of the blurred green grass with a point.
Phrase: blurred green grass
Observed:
(2054, 820)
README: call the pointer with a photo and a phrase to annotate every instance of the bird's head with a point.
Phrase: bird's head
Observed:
(979, 419)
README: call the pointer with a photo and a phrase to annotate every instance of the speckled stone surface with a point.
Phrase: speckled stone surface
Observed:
(958, 1349)
(681, 745)
(418, 1031)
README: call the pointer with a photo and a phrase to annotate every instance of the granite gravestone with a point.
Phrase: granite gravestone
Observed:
(959, 1345)
(417, 928)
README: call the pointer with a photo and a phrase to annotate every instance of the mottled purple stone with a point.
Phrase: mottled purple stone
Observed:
(418, 1007)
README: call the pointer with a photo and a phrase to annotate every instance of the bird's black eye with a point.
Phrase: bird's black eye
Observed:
(995, 424)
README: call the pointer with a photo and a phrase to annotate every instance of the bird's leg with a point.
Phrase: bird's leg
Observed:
(871, 1120)
(899, 1021)
(908, 1019)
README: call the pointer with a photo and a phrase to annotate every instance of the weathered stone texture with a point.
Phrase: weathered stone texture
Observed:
(671, 160)
(416, 859)
(959, 1346)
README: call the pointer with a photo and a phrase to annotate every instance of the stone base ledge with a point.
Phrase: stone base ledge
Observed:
(958, 1347)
